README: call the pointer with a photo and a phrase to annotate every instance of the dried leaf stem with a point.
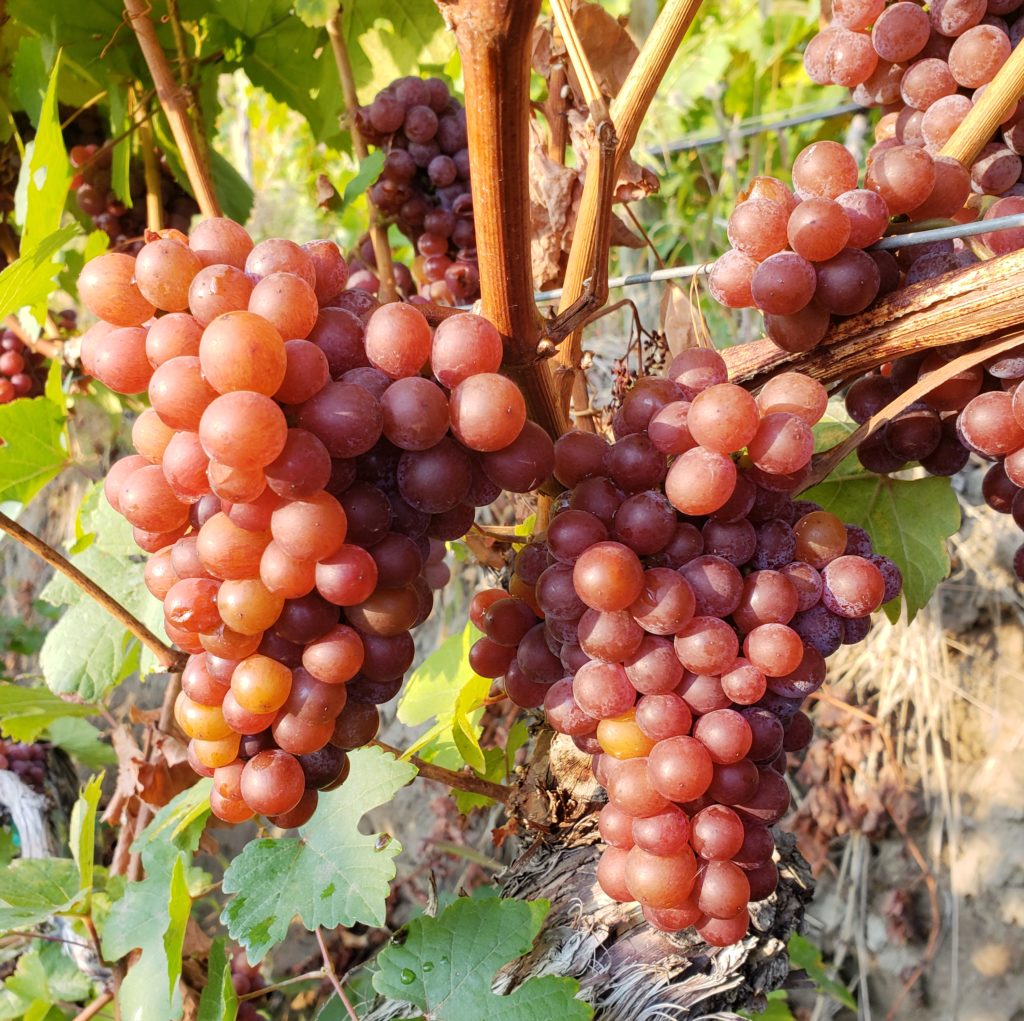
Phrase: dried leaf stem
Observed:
(332, 974)
(468, 782)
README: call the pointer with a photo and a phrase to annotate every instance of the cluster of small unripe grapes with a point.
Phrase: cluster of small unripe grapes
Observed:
(298, 473)
(20, 374)
(424, 185)
(26, 761)
(980, 410)
(96, 199)
(673, 619)
(926, 69)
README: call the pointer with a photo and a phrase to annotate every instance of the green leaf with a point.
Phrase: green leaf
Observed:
(331, 875)
(180, 822)
(35, 446)
(369, 171)
(444, 688)
(28, 281)
(219, 1002)
(233, 191)
(25, 713)
(151, 917)
(909, 521)
(45, 173)
(29, 77)
(82, 836)
(316, 13)
(8, 847)
(388, 37)
(445, 966)
(804, 954)
(82, 741)
(88, 652)
(121, 154)
(34, 889)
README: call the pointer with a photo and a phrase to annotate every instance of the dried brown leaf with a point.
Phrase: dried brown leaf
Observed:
(608, 45)
(129, 757)
(676, 317)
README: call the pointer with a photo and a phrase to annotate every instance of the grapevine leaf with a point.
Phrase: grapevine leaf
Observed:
(82, 837)
(43, 976)
(35, 446)
(890, 510)
(8, 847)
(219, 1001)
(25, 713)
(121, 154)
(369, 171)
(331, 875)
(151, 917)
(29, 77)
(28, 281)
(445, 689)
(316, 13)
(804, 954)
(81, 740)
(180, 822)
(44, 174)
(33, 889)
(388, 37)
(445, 966)
(88, 652)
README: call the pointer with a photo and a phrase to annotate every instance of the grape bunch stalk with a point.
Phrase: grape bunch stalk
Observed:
(296, 477)
(672, 621)
(424, 184)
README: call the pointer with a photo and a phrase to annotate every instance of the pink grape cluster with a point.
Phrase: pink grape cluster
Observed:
(21, 369)
(672, 621)
(305, 456)
(926, 69)
(424, 184)
(798, 255)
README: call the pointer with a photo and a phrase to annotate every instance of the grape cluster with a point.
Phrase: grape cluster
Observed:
(673, 619)
(424, 184)
(980, 410)
(123, 224)
(926, 69)
(799, 257)
(26, 761)
(21, 369)
(296, 479)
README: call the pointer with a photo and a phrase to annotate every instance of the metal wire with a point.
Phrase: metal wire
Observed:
(747, 128)
(956, 230)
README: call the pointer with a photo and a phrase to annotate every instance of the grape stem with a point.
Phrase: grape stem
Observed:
(468, 782)
(378, 233)
(333, 975)
(95, 1007)
(174, 100)
(167, 657)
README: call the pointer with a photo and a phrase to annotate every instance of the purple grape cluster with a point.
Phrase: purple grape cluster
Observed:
(424, 185)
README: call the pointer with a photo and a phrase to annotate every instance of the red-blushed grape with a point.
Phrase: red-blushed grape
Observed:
(216, 290)
(488, 412)
(218, 240)
(611, 874)
(654, 668)
(464, 345)
(730, 278)
(398, 340)
(904, 176)
(615, 827)
(783, 284)
(632, 788)
(608, 576)
(272, 783)
(659, 881)
(108, 289)
(680, 768)
(824, 170)
(622, 738)
(757, 228)
(706, 645)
